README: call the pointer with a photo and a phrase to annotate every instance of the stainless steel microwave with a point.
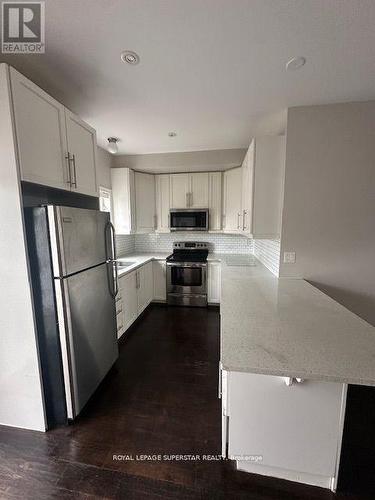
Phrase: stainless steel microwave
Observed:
(188, 219)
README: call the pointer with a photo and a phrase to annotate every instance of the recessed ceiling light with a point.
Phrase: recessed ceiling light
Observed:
(172, 134)
(295, 63)
(130, 57)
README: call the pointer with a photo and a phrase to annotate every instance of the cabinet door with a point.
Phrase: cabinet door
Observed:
(293, 427)
(128, 290)
(123, 200)
(179, 190)
(119, 314)
(268, 186)
(82, 144)
(232, 200)
(149, 282)
(214, 200)
(198, 197)
(40, 132)
(214, 282)
(144, 202)
(247, 191)
(160, 280)
(162, 188)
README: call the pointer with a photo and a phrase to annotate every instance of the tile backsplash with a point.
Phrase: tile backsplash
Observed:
(157, 242)
(125, 243)
(268, 252)
(219, 243)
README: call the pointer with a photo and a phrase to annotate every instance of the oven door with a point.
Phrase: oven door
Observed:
(187, 278)
(188, 220)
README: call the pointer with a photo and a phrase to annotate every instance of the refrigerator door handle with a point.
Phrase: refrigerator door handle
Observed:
(113, 260)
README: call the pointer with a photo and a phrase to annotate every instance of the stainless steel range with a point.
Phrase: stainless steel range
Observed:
(187, 274)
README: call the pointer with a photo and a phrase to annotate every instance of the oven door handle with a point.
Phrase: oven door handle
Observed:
(186, 264)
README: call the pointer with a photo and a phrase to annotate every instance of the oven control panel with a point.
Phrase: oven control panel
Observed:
(190, 245)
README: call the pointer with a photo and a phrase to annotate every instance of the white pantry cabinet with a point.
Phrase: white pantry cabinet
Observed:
(55, 147)
(160, 280)
(214, 282)
(214, 201)
(189, 190)
(232, 219)
(144, 202)
(162, 193)
(295, 431)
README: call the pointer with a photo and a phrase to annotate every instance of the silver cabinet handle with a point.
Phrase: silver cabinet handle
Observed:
(155, 221)
(191, 200)
(243, 220)
(75, 171)
(238, 220)
(67, 158)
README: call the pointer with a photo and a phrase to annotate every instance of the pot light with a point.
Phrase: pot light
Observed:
(295, 63)
(112, 145)
(172, 134)
(130, 57)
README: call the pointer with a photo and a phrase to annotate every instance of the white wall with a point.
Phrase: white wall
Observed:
(21, 401)
(329, 202)
(219, 159)
(103, 168)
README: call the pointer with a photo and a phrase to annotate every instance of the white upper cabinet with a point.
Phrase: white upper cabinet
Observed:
(198, 191)
(123, 200)
(269, 169)
(179, 190)
(144, 202)
(81, 139)
(40, 132)
(214, 200)
(162, 192)
(247, 191)
(232, 217)
(55, 147)
(189, 190)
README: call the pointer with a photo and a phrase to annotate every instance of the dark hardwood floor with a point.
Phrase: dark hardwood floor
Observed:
(160, 398)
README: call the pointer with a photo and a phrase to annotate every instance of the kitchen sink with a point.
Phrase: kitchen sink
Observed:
(123, 265)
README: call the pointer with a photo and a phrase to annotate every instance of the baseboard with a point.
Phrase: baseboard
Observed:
(289, 475)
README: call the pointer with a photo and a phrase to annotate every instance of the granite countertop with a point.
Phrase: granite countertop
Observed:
(287, 327)
(138, 259)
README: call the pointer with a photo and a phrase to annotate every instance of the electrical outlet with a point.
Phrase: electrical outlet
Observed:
(289, 257)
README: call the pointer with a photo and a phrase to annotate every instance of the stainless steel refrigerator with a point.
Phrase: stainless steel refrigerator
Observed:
(75, 283)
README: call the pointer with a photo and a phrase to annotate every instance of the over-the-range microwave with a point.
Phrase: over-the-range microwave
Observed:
(188, 219)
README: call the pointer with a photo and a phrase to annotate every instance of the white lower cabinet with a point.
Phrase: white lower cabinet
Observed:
(136, 291)
(129, 296)
(214, 282)
(160, 280)
(292, 432)
(145, 286)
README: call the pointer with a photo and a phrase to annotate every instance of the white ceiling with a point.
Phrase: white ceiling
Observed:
(212, 70)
